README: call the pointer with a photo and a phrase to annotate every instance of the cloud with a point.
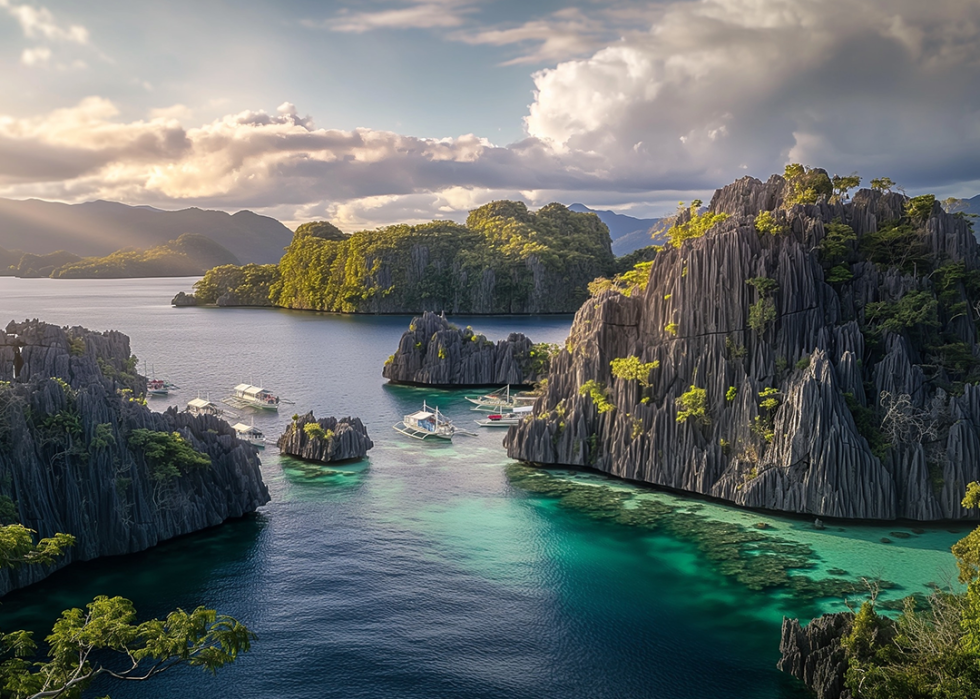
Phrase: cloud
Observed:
(39, 23)
(711, 91)
(720, 86)
(35, 56)
(431, 14)
(564, 34)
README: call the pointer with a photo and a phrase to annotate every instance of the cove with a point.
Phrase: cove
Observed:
(440, 570)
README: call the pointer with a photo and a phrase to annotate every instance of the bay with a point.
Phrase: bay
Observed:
(426, 571)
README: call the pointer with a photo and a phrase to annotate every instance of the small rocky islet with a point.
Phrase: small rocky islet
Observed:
(434, 352)
(327, 440)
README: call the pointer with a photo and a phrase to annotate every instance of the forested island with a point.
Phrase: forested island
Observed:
(505, 259)
(188, 255)
(793, 349)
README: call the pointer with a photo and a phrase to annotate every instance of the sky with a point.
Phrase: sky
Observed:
(382, 111)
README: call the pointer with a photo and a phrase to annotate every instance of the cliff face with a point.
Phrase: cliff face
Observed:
(433, 352)
(813, 654)
(67, 414)
(800, 353)
(335, 440)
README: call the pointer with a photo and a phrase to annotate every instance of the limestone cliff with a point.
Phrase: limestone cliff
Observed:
(433, 352)
(813, 654)
(327, 439)
(820, 359)
(69, 410)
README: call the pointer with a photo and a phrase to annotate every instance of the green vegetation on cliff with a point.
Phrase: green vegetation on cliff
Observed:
(505, 259)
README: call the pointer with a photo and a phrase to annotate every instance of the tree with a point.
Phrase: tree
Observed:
(696, 225)
(106, 630)
(805, 185)
(882, 184)
(842, 185)
(632, 369)
(693, 403)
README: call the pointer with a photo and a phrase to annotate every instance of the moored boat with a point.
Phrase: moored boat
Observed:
(250, 433)
(505, 419)
(501, 399)
(427, 423)
(248, 396)
(201, 406)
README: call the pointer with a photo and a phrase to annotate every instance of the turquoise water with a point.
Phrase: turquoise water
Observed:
(430, 570)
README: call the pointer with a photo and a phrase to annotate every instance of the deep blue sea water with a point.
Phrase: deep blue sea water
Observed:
(423, 571)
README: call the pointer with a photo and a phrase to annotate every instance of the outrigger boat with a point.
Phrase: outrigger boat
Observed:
(505, 419)
(248, 396)
(501, 399)
(425, 424)
(200, 406)
(250, 433)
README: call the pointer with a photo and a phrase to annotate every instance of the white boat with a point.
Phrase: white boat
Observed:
(157, 387)
(501, 399)
(248, 396)
(250, 433)
(505, 419)
(425, 424)
(200, 406)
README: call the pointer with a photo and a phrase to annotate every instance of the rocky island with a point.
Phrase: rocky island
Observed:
(326, 440)
(434, 352)
(82, 454)
(505, 259)
(793, 349)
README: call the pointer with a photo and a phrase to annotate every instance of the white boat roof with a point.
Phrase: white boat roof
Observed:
(250, 389)
(524, 409)
(420, 415)
(200, 403)
(248, 429)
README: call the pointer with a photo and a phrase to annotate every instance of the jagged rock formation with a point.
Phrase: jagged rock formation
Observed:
(68, 409)
(331, 440)
(801, 352)
(813, 654)
(183, 299)
(434, 352)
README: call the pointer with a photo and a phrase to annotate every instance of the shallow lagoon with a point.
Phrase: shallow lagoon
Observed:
(434, 570)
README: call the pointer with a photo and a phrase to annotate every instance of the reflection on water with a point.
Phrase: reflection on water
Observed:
(443, 570)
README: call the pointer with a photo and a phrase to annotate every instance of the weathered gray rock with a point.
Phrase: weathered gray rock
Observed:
(693, 318)
(66, 411)
(433, 352)
(813, 654)
(347, 439)
(182, 300)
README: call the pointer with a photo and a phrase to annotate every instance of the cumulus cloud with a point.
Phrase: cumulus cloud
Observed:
(719, 87)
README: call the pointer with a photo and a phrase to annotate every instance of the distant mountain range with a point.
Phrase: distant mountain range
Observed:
(627, 233)
(101, 228)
